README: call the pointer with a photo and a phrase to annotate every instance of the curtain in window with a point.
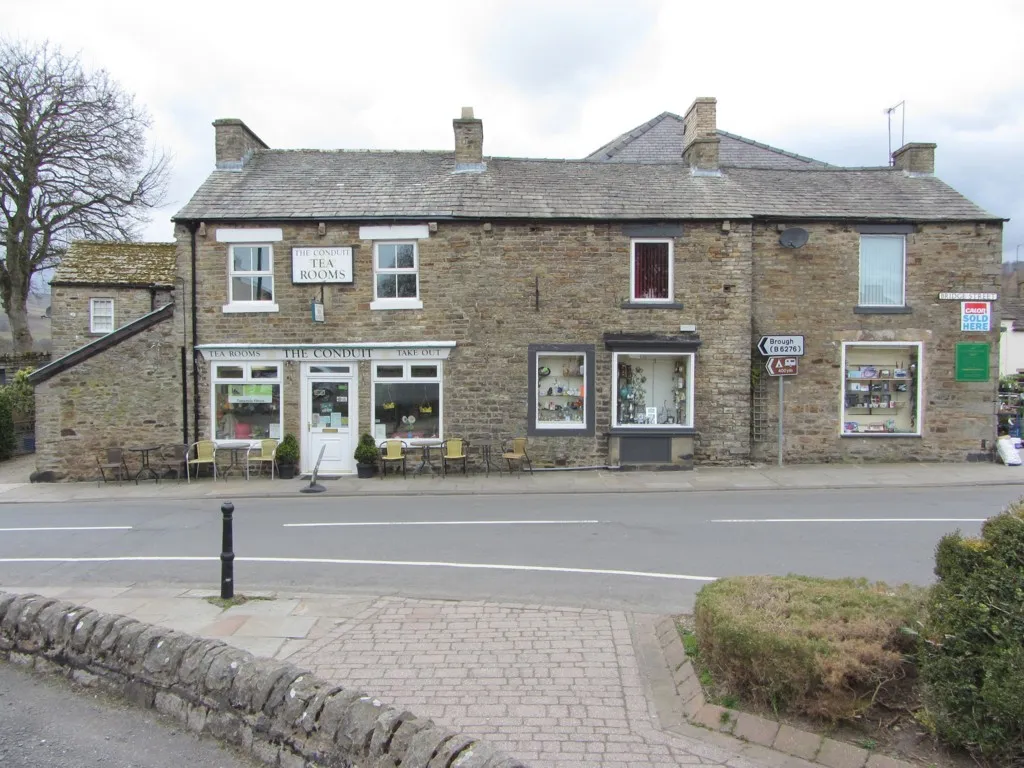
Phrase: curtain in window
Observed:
(881, 271)
(650, 271)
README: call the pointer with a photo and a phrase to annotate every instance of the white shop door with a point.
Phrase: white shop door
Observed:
(329, 418)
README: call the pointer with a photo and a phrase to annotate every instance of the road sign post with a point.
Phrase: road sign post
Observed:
(783, 352)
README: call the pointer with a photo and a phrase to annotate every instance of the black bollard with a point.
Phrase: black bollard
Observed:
(227, 556)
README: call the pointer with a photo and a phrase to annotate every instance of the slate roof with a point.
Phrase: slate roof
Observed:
(1013, 309)
(661, 141)
(109, 263)
(311, 184)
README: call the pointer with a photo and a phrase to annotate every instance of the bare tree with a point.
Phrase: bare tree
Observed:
(73, 164)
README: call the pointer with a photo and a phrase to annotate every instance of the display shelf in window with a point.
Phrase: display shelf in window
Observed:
(652, 389)
(880, 389)
(561, 389)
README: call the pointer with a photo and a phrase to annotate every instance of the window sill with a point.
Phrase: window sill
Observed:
(250, 306)
(893, 310)
(880, 434)
(676, 430)
(651, 305)
(396, 304)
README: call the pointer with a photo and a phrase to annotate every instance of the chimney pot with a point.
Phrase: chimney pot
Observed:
(469, 142)
(915, 158)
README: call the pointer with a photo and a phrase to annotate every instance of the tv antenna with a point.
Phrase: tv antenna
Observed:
(902, 107)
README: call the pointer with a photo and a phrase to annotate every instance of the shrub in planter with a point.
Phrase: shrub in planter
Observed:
(972, 657)
(366, 456)
(825, 648)
(287, 456)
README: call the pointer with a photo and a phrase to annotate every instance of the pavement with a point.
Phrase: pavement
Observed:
(555, 686)
(15, 488)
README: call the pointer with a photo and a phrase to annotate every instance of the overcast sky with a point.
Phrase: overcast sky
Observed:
(559, 78)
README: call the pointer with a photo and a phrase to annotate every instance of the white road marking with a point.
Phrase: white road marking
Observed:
(333, 561)
(440, 522)
(72, 528)
(859, 520)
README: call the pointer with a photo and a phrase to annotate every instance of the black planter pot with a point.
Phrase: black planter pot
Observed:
(365, 470)
(286, 471)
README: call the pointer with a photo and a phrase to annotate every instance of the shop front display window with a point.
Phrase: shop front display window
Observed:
(247, 401)
(561, 391)
(881, 389)
(406, 401)
(653, 390)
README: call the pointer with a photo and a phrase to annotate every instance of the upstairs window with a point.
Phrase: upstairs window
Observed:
(650, 271)
(396, 271)
(251, 274)
(101, 315)
(882, 271)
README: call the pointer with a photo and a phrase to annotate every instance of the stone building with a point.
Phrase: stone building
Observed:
(608, 308)
(115, 377)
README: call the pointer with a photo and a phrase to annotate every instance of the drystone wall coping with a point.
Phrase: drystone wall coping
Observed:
(279, 713)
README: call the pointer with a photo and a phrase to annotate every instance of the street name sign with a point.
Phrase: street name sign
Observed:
(781, 344)
(782, 366)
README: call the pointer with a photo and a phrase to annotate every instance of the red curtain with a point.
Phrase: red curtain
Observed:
(650, 271)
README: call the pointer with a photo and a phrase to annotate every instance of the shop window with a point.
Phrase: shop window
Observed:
(650, 272)
(562, 391)
(881, 389)
(407, 401)
(882, 270)
(396, 276)
(653, 390)
(247, 401)
(250, 278)
(101, 315)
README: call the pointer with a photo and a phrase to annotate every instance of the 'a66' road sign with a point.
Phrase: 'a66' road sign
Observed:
(780, 344)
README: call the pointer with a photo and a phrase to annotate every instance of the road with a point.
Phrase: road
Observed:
(642, 552)
(41, 726)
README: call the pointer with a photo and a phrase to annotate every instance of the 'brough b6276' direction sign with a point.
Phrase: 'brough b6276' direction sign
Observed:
(781, 344)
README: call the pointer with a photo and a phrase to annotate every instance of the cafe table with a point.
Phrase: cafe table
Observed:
(239, 450)
(144, 451)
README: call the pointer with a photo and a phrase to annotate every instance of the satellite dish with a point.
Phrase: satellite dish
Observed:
(794, 237)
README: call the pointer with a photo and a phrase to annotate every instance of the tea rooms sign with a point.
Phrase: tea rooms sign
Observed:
(322, 265)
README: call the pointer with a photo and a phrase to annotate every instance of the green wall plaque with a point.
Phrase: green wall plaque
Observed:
(972, 361)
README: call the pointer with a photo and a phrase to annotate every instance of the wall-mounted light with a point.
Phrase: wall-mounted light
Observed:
(321, 229)
(202, 229)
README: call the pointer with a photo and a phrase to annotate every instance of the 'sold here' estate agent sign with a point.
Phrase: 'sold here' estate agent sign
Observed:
(322, 265)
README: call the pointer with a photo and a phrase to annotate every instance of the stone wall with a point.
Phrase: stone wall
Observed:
(129, 394)
(813, 290)
(70, 311)
(275, 711)
(479, 284)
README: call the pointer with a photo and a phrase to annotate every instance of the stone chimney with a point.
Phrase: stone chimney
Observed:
(915, 158)
(700, 137)
(469, 142)
(234, 143)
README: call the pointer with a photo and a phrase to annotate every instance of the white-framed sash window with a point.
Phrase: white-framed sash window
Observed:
(650, 270)
(101, 315)
(882, 271)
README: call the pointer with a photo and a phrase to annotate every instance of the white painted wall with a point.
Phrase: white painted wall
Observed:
(1011, 348)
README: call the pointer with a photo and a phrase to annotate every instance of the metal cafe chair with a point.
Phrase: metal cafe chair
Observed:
(515, 451)
(453, 450)
(393, 452)
(115, 463)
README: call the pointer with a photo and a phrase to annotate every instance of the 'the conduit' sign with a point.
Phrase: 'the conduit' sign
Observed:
(322, 265)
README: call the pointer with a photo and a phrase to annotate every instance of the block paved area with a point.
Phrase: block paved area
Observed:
(553, 686)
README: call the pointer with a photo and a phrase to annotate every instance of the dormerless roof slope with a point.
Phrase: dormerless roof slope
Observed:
(755, 180)
(110, 263)
(661, 141)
